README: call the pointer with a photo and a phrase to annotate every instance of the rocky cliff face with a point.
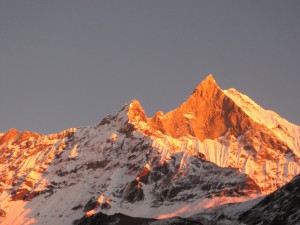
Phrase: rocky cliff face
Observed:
(280, 207)
(215, 148)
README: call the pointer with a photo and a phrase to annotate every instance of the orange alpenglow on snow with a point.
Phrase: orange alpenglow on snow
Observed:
(245, 151)
(207, 114)
(90, 213)
(100, 199)
(211, 114)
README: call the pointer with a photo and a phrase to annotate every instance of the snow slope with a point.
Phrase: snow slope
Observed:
(217, 147)
(280, 207)
(109, 167)
(220, 125)
(284, 130)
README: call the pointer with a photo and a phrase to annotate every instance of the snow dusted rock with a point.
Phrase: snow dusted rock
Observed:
(280, 207)
(231, 131)
(277, 208)
(211, 150)
(121, 219)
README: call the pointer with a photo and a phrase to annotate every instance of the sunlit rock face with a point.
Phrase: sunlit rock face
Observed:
(231, 131)
(217, 147)
(207, 114)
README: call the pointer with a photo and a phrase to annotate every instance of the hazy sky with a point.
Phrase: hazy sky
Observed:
(68, 63)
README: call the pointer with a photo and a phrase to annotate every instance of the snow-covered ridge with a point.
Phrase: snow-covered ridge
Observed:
(286, 131)
(280, 207)
(111, 167)
(209, 151)
(269, 174)
(257, 142)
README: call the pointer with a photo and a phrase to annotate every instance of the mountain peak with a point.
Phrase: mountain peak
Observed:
(208, 83)
(215, 148)
(135, 103)
(9, 135)
(210, 77)
(136, 112)
(205, 104)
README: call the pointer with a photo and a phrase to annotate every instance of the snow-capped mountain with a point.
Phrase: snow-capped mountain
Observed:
(280, 207)
(217, 147)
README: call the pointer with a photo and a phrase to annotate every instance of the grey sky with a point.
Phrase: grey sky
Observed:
(68, 63)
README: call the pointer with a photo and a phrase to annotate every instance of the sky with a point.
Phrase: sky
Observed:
(68, 63)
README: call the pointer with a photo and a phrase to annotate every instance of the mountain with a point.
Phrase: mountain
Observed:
(280, 207)
(277, 208)
(217, 147)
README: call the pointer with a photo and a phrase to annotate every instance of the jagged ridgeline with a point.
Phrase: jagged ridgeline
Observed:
(217, 147)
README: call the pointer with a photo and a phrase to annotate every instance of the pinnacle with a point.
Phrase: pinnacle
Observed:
(135, 105)
(135, 111)
(13, 130)
(135, 102)
(131, 105)
(10, 134)
(208, 83)
(210, 77)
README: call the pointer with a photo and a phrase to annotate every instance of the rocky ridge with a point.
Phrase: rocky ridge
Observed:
(215, 148)
(277, 208)
(231, 131)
